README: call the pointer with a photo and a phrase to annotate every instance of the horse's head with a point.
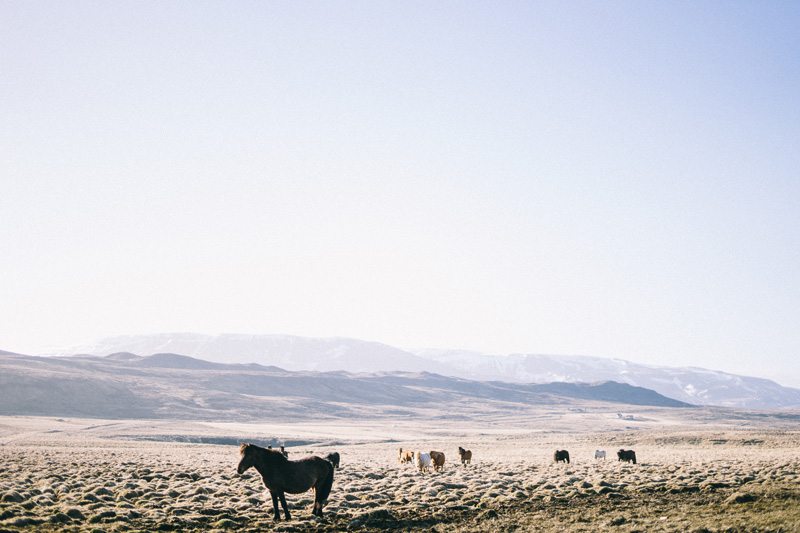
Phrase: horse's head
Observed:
(248, 458)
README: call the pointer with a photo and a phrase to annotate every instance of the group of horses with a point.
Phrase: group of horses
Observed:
(424, 461)
(628, 456)
(280, 475)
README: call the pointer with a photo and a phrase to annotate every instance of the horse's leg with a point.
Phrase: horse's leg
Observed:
(277, 515)
(282, 496)
(317, 509)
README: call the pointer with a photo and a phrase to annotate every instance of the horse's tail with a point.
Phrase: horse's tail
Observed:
(324, 487)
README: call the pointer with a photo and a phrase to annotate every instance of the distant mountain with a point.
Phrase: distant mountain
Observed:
(284, 351)
(173, 360)
(178, 386)
(609, 391)
(692, 385)
(123, 356)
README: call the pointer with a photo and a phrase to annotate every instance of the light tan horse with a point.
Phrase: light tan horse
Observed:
(406, 456)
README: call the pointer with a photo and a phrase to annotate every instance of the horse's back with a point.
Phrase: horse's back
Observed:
(305, 473)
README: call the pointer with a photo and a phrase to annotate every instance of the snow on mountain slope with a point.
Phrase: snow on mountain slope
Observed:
(693, 385)
(178, 386)
(285, 351)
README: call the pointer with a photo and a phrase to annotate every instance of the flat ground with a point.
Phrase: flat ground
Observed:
(699, 472)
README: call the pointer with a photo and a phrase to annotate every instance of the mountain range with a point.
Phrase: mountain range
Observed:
(687, 384)
(168, 385)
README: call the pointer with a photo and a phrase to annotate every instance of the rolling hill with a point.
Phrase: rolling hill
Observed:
(692, 385)
(123, 385)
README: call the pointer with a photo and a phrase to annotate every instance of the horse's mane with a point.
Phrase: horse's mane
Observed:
(275, 454)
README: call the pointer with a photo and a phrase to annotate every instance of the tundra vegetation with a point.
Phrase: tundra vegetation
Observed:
(691, 475)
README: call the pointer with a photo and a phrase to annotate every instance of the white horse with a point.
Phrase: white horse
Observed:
(600, 454)
(422, 460)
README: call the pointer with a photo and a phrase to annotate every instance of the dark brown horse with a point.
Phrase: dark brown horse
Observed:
(280, 475)
(629, 456)
(561, 456)
(466, 456)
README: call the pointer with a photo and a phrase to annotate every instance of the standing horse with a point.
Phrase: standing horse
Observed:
(466, 456)
(438, 460)
(333, 458)
(423, 461)
(629, 456)
(406, 456)
(600, 454)
(561, 456)
(281, 475)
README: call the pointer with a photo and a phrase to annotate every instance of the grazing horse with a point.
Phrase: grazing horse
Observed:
(600, 454)
(629, 456)
(333, 458)
(561, 456)
(466, 456)
(438, 460)
(281, 475)
(406, 456)
(422, 460)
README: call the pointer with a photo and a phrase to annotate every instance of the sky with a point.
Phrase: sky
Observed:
(615, 179)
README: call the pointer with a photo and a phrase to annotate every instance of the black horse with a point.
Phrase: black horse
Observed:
(629, 456)
(561, 456)
(280, 475)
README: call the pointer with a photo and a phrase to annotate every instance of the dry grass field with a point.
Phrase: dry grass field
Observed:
(694, 474)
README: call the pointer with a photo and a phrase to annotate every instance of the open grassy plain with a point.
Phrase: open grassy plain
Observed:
(703, 471)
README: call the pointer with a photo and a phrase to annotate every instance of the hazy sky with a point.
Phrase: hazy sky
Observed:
(605, 178)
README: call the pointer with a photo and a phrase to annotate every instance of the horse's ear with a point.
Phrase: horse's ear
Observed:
(242, 447)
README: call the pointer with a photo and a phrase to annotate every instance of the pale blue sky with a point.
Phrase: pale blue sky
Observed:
(602, 178)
